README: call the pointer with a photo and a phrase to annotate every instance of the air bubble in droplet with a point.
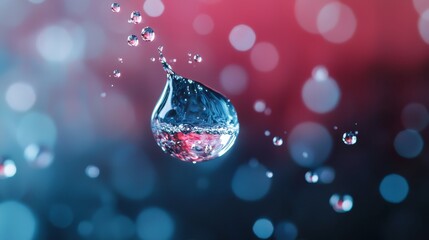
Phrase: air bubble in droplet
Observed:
(198, 58)
(341, 203)
(135, 17)
(350, 138)
(148, 35)
(133, 40)
(183, 129)
(116, 73)
(38, 156)
(115, 7)
(277, 141)
(7, 168)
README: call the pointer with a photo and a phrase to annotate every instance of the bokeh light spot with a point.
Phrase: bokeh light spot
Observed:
(263, 228)
(203, 24)
(242, 37)
(394, 188)
(17, 221)
(155, 224)
(250, 182)
(20, 96)
(233, 79)
(264, 57)
(408, 143)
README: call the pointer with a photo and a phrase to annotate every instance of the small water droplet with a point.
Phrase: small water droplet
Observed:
(7, 168)
(350, 138)
(183, 129)
(277, 141)
(120, 60)
(267, 133)
(269, 174)
(38, 156)
(133, 40)
(148, 35)
(189, 61)
(135, 17)
(152, 59)
(116, 73)
(189, 54)
(198, 58)
(311, 177)
(174, 60)
(341, 203)
(115, 7)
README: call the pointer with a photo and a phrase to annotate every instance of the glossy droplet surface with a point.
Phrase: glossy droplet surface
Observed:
(116, 73)
(341, 203)
(133, 40)
(148, 35)
(198, 58)
(7, 168)
(192, 122)
(115, 7)
(277, 141)
(135, 17)
(350, 138)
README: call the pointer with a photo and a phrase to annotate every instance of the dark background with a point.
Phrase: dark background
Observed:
(66, 50)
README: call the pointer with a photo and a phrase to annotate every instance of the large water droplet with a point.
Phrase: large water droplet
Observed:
(191, 121)
(135, 17)
(133, 41)
(148, 34)
(115, 7)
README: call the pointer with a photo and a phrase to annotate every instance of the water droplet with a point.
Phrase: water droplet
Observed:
(133, 40)
(198, 58)
(7, 168)
(183, 129)
(341, 203)
(267, 133)
(277, 141)
(116, 73)
(189, 61)
(92, 171)
(120, 60)
(174, 60)
(311, 177)
(38, 156)
(115, 7)
(269, 174)
(350, 138)
(152, 59)
(135, 17)
(148, 35)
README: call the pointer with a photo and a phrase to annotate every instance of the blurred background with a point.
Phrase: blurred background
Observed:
(332, 98)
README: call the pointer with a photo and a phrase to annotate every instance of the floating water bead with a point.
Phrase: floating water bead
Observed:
(277, 141)
(192, 122)
(7, 168)
(148, 35)
(350, 138)
(133, 41)
(198, 58)
(341, 203)
(116, 73)
(135, 17)
(115, 7)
